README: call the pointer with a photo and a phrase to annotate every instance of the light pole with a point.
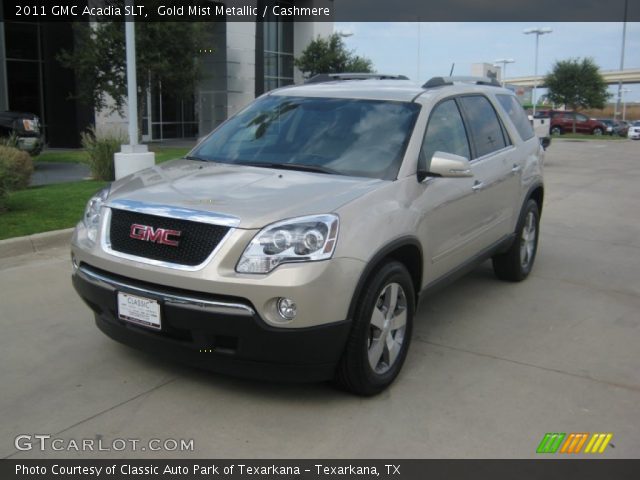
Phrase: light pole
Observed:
(624, 103)
(624, 39)
(538, 31)
(504, 62)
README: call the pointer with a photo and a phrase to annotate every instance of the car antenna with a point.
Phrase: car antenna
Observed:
(453, 65)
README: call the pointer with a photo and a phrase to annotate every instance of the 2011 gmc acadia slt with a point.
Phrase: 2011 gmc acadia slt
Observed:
(293, 242)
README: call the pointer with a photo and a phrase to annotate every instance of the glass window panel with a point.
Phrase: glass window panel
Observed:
(445, 133)
(271, 36)
(517, 115)
(351, 137)
(270, 83)
(24, 87)
(286, 66)
(21, 40)
(270, 64)
(484, 124)
(287, 37)
(171, 130)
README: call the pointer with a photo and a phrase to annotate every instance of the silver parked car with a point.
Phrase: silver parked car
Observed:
(293, 242)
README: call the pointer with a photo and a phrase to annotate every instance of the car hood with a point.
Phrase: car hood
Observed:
(257, 196)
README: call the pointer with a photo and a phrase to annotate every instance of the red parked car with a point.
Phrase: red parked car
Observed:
(562, 122)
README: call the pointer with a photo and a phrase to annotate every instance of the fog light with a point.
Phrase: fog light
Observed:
(287, 308)
(74, 262)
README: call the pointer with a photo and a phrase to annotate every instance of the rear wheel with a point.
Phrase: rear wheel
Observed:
(516, 263)
(597, 131)
(556, 131)
(381, 332)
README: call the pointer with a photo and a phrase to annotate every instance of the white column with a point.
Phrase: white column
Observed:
(132, 157)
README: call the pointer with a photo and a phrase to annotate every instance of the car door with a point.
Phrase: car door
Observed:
(444, 228)
(582, 124)
(454, 220)
(496, 170)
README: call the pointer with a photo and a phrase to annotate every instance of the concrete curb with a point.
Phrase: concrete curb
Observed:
(35, 243)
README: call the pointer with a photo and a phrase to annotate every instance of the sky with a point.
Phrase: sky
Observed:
(393, 47)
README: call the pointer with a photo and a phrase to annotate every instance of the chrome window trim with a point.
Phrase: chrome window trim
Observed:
(228, 308)
(492, 154)
(169, 212)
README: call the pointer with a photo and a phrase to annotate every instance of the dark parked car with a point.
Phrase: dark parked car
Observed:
(25, 127)
(562, 122)
(615, 127)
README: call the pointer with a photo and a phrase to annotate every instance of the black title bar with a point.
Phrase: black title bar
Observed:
(547, 469)
(325, 10)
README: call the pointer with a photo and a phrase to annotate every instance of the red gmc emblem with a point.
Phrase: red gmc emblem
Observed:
(155, 235)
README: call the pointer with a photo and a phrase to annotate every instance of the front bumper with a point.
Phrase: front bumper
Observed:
(31, 145)
(219, 333)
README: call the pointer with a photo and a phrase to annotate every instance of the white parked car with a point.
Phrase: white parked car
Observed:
(634, 130)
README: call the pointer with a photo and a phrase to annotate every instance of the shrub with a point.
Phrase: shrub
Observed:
(16, 168)
(100, 149)
(10, 141)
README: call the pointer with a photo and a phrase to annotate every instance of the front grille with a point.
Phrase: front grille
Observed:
(196, 241)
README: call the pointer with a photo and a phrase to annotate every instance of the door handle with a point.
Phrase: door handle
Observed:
(516, 168)
(477, 186)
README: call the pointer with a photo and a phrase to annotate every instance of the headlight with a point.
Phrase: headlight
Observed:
(303, 239)
(30, 125)
(91, 218)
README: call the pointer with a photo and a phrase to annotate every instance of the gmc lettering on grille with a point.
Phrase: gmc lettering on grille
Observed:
(162, 236)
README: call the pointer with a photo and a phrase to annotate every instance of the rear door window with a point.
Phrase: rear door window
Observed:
(485, 128)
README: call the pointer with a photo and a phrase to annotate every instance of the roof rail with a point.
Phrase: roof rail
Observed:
(330, 77)
(441, 81)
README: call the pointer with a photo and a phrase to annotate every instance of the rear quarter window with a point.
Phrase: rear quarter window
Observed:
(512, 106)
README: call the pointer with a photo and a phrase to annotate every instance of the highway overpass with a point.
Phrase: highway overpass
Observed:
(612, 77)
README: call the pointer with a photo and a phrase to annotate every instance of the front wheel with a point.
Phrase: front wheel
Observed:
(556, 131)
(516, 263)
(597, 131)
(381, 332)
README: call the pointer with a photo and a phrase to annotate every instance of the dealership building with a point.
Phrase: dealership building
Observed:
(240, 61)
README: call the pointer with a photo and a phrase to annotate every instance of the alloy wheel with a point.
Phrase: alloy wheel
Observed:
(387, 328)
(528, 240)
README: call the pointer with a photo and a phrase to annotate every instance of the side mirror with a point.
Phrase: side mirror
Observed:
(447, 165)
(545, 142)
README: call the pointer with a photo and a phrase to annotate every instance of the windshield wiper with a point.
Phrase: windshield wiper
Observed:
(292, 166)
(192, 157)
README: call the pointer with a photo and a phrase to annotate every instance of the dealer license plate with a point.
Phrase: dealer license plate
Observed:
(139, 310)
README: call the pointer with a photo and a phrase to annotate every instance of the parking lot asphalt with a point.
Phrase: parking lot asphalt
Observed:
(493, 366)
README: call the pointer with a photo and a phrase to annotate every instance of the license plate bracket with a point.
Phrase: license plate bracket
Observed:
(139, 310)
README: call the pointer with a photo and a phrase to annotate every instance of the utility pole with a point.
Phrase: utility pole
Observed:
(504, 62)
(537, 31)
(624, 41)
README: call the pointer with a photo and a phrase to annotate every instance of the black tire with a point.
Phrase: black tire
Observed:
(597, 131)
(355, 373)
(511, 266)
(555, 131)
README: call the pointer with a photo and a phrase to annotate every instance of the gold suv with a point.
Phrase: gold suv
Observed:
(293, 242)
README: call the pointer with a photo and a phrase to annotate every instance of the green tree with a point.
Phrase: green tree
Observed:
(166, 54)
(577, 84)
(330, 55)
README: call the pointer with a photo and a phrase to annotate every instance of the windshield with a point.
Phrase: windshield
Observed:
(365, 138)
